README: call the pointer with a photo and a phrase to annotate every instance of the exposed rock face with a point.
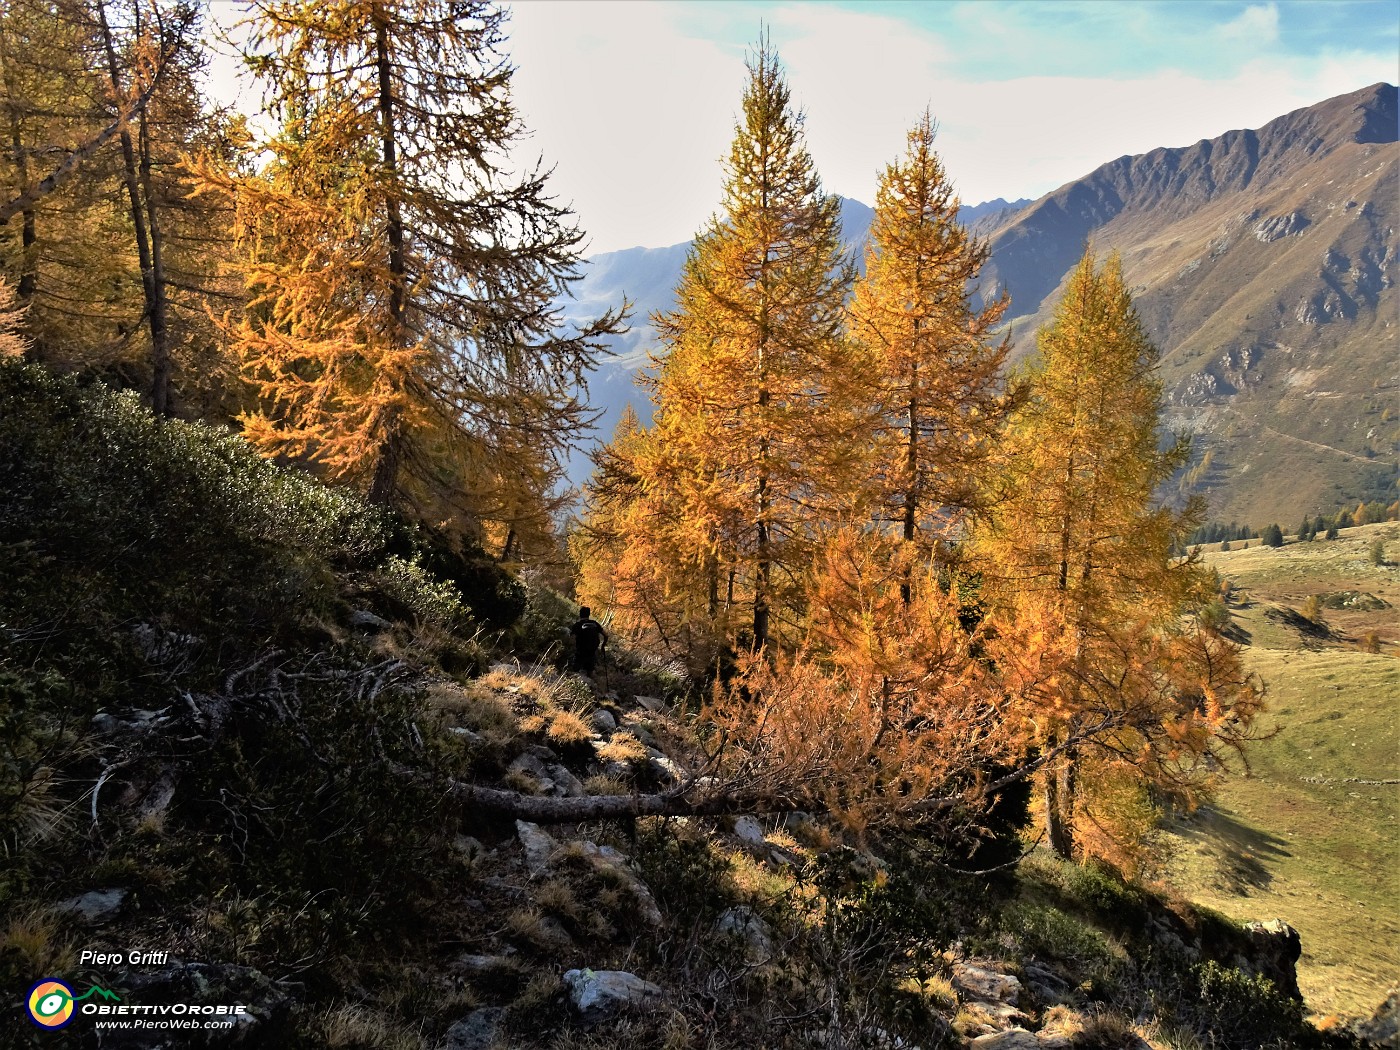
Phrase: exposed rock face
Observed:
(539, 845)
(1384, 1028)
(746, 925)
(479, 1030)
(1277, 948)
(748, 829)
(599, 995)
(978, 983)
(95, 907)
(605, 858)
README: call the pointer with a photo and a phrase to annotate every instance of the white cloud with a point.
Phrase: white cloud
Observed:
(634, 114)
(591, 73)
(634, 103)
(1256, 24)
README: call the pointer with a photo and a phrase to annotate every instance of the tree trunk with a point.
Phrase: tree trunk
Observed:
(160, 332)
(911, 465)
(1059, 805)
(152, 286)
(28, 275)
(386, 473)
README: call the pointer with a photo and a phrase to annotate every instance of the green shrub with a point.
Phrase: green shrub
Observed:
(1232, 1008)
(432, 602)
(542, 632)
(1047, 932)
(686, 876)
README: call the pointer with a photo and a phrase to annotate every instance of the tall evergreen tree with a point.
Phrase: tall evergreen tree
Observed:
(404, 329)
(757, 388)
(1082, 548)
(57, 250)
(938, 397)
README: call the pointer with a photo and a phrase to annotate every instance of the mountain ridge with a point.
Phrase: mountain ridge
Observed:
(1261, 263)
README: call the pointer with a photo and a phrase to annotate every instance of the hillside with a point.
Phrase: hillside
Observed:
(1314, 832)
(1262, 263)
(263, 733)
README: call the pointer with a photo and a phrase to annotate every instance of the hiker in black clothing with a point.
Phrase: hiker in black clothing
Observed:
(589, 639)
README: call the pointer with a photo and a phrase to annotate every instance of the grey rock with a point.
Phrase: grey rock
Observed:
(605, 858)
(158, 799)
(604, 722)
(565, 783)
(478, 964)
(748, 829)
(364, 620)
(1045, 985)
(553, 934)
(1383, 1028)
(598, 995)
(1276, 950)
(94, 907)
(104, 723)
(528, 763)
(479, 1030)
(539, 845)
(651, 703)
(748, 926)
(985, 985)
(663, 768)
(1011, 1039)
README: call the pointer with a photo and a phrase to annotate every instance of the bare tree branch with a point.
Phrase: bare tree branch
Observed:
(77, 157)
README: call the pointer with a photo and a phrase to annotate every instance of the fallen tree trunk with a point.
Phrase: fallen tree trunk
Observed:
(543, 809)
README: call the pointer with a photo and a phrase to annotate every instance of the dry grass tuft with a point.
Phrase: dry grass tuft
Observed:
(35, 935)
(623, 747)
(569, 727)
(351, 1027)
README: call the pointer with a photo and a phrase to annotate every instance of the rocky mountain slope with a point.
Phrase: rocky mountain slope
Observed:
(1263, 265)
(239, 711)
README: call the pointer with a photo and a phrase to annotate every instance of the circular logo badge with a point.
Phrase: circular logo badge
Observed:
(50, 1003)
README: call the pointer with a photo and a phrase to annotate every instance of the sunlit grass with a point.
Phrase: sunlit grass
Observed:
(1312, 836)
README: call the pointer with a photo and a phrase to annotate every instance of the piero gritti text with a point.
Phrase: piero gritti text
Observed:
(135, 957)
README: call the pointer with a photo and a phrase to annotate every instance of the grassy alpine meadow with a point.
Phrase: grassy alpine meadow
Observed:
(1312, 834)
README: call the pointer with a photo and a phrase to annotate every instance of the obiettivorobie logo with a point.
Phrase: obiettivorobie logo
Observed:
(51, 1002)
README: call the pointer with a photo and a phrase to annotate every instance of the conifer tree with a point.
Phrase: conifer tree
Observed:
(57, 249)
(402, 329)
(938, 399)
(757, 391)
(1082, 549)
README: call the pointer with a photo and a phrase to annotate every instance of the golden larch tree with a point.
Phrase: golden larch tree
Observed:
(756, 387)
(403, 328)
(939, 398)
(1080, 557)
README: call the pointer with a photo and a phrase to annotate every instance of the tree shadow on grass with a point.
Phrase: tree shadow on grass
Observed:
(1242, 854)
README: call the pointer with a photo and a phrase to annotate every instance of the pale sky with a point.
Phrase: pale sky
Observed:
(634, 101)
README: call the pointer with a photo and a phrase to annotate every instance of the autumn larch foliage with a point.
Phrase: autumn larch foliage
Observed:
(403, 328)
(938, 396)
(1080, 558)
(757, 391)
